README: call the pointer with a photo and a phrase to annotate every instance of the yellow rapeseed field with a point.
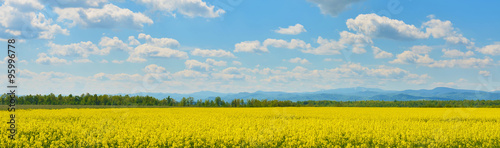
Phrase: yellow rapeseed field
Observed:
(255, 127)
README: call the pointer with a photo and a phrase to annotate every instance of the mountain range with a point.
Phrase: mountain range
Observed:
(343, 94)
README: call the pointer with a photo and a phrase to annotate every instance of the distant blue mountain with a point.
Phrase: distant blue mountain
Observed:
(344, 94)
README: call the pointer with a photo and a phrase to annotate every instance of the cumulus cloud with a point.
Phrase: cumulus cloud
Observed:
(43, 58)
(153, 68)
(333, 7)
(109, 16)
(192, 74)
(215, 62)
(203, 66)
(189, 8)
(291, 30)
(197, 65)
(212, 53)
(7, 58)
(139, 53)
(83, 49)
(298, 60)
(463, 63)
(34, 23)
(484, 73)
(493, 49)
(133, 41)
(118, 77)
(278, 43)
(117, 61)
(113, 43)
(410, 57)
(326, 47)
(231, 73)
(249, 46)
(444, 29)
(357, 42)
(380, 54)
(75, 3)
(374, 25)
(348, 72)
(159, 42)
(330, 59)
(453, 53)
(237, 63)
(82, 61)
(421, 49)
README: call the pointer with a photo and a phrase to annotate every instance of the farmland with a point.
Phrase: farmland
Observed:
(255, 127)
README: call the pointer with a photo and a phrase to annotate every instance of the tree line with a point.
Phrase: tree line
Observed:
(88, 99)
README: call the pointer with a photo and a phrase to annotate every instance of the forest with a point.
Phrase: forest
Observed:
(109, 100)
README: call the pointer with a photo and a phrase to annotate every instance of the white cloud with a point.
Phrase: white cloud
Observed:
(484, 73)
(333, 7)
(189, 74)
(159, 42)
(347, 73)
(298, 60)
(445, 30)
(216, 63)
(249, 46)
(380, 54)
(203, 66)
(34, 23)
(7, 58)
(113, 43)
(13, 32)
(326, 47)
(83, 49)
(444, 84)
(357, 41)
(333, 47)
(117, 61)
(384, 27)
(212, 53)
(410, 57)
(299, 69)
(109, 16)
(118, 77)
(75, 3)
(133, 41)
(153, 68)
(43, 58)
(237, 63)
(421, 49)
(282, 68)
(330, 59)
(197, 65)
(278, 43)
(453, 53)
(104, 61)
(139, 53)
(231, 73)
(463, 63)
(82, 61)
(493, 49)
(291, 30)
(190, 8)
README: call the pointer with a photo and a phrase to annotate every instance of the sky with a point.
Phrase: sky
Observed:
(230, 46)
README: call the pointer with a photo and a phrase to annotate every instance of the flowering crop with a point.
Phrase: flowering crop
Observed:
(255, 127)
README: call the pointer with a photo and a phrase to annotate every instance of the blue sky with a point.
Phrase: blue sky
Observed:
(184, 46)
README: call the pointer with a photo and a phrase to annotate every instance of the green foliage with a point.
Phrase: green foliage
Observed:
(88, 99)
